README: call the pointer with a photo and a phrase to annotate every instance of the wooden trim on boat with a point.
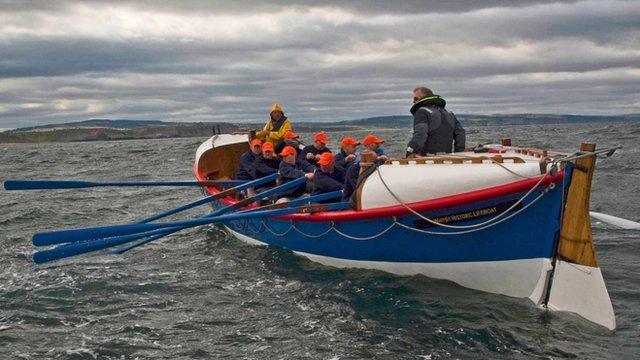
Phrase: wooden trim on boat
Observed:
(221, 162)
(367, 159)
(576, 241)
(532, 152)
(456, 160)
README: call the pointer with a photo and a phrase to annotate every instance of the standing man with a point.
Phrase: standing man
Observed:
(435, 130)
(276, 127)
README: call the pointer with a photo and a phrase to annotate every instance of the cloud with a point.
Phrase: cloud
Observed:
(205, 61)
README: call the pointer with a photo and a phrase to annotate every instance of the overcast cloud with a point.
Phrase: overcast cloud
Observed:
(64, 61)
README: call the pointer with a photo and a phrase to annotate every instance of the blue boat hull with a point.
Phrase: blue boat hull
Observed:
(510, 257)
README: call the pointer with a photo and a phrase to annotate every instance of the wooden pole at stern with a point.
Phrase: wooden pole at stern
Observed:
(576, 240)
(367, 159)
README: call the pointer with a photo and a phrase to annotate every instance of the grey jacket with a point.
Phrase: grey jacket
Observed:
(434, 128)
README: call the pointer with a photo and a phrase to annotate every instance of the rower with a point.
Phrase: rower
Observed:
(373, 143)
(290, 139)
(276, 126)
(347, 155)
(328, 177)
(291, 168)
(245, 169)
(312, 152)
(266, 164)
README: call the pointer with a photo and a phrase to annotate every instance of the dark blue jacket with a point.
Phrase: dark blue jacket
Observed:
(351, 181)
(290, 172)
(312, 149)
(263, 167)
(434, 128)
(326, 182)
(245, 170)
(341, 162)
(287, 142)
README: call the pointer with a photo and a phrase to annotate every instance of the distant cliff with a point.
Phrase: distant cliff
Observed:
(94, 130)
(103, 129)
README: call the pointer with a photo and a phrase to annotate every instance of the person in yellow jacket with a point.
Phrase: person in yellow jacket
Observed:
(276, 127)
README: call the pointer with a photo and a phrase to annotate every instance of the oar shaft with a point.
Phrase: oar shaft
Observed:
(58, 237)
(220, 195)
(78, 184)
(82, 248)
(291, 203)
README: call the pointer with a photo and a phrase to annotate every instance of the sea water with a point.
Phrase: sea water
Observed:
(203, 294)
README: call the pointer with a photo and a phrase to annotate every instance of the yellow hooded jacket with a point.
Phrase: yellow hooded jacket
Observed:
(274, 136)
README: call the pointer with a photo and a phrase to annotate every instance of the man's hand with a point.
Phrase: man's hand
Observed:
(309, 176)
(383, 157)
(350, 158)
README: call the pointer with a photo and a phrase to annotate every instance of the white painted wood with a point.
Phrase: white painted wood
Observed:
(516, 278)
(218, 141)
(580, 289)
(615, 221)
(418, 182)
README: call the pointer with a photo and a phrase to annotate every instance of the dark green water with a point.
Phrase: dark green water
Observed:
(203, 294)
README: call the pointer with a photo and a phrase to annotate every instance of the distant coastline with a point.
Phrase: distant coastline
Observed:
(105, 129)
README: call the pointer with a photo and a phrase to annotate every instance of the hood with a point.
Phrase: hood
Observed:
(429, 100)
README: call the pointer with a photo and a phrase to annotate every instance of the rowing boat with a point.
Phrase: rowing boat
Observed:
(511, 221)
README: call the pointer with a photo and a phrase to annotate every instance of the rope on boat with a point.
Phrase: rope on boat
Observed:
(433, 222)
(394, 223)
(466, 229)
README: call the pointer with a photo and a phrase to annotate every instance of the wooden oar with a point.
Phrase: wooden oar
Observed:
(77, 184)
(82, 248)
(157, 234)
(615, 221)
(63, 236)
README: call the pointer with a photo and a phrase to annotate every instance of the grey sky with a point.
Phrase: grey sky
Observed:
(323, 60)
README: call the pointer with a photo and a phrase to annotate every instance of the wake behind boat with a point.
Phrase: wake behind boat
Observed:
(511, 221)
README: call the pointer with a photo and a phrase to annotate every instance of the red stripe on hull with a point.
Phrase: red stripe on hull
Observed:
(398, 210)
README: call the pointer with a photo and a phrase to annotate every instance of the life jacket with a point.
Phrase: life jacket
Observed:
(278, 124)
